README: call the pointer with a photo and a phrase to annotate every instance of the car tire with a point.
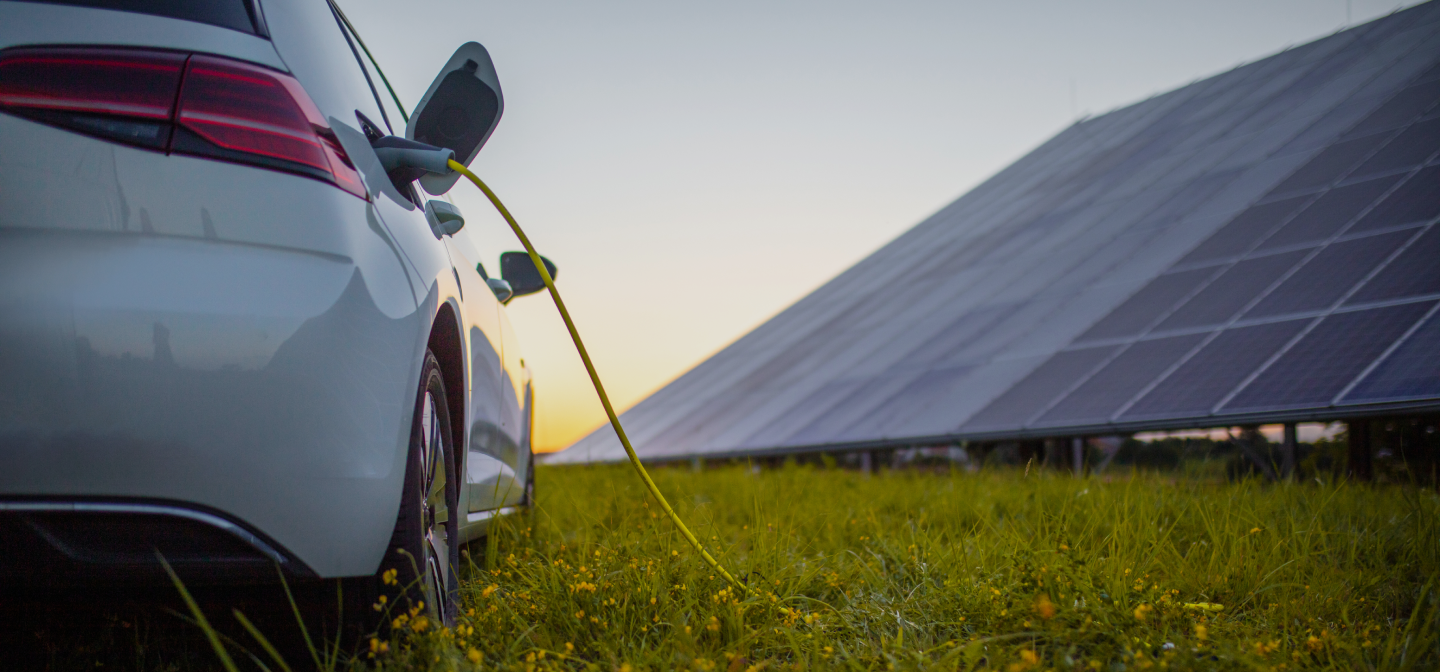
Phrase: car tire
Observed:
(423, 560)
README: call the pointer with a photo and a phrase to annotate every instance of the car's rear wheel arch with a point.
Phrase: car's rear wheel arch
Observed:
(447, 344)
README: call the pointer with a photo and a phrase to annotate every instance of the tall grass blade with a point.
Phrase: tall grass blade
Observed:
(210, 633)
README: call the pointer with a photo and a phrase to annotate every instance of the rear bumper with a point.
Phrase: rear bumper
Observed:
(60, 542)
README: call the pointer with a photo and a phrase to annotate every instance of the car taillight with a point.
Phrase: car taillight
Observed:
(197, 105)
(248, 113)
(120, 94)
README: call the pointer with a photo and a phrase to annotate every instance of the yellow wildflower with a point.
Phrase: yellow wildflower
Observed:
(1143, 611)
(1044, 607)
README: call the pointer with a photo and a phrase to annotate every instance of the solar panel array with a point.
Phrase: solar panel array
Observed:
(1257, 246)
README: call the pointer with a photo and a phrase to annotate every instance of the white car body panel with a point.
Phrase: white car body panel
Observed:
(247, 341)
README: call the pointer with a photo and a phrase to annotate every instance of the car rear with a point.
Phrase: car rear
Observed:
(208, 338)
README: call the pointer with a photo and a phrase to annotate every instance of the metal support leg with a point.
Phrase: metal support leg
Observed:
(1249, 442)
(867, 462)
(1077, 456)
(1287, 452)
(1359, 462)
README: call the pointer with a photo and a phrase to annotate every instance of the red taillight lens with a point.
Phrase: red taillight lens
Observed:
(124, 94)
(247, 113)
(226, 109)
(244, 108)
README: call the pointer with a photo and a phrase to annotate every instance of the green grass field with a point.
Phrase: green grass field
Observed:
(1001, 569)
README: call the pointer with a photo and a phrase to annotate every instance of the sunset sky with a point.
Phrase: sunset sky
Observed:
(695, 168)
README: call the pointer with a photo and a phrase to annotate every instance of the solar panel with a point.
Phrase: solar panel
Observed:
(919, 394)
(816, 409)
(1328, 358)
(1106, 391)
(1029, 396)
(1205, 379)
(1416, 272)
(1241, 233)
(1141, 310)
(1331, 164)
(1409, 149)
(1324, 279)
(1077, 243)
(1417, 200)
(957, 334)
(1432, 73)
(1232, 291)
(1413, 370)
(1401, 109)
(1329, 213)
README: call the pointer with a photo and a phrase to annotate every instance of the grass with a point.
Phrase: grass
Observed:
(1002, 569)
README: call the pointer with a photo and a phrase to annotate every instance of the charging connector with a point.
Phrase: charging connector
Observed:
(408, 160)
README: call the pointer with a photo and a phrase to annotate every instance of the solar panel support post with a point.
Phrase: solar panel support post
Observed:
(1287, 453)
(1250, 443)
(867, 462)
(1058, 454)
(1077, 456)
(1359, 462)
(697, 464)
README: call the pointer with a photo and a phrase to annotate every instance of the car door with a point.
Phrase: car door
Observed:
(489, 475)
(515, 415)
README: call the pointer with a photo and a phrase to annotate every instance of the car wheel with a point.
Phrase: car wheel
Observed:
(424, 555)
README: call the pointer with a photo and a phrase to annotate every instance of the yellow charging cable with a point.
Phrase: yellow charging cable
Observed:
(595, 378)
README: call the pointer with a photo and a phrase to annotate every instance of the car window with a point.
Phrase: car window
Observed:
(238, 15)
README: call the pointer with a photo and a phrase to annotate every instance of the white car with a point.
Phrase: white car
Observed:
(227, 333)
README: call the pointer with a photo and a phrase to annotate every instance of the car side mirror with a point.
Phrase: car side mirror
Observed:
(459, 111)
(519, 271)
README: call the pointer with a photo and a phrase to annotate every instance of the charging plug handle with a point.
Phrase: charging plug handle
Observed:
(407, 160)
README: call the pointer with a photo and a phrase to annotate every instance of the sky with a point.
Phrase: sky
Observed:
(695, 168)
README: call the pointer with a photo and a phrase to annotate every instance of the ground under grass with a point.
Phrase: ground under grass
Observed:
(919, 570)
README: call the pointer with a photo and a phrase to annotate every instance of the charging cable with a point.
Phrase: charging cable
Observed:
(413, 154)
(595, 378)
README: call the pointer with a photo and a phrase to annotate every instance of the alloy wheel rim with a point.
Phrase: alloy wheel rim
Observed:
(434, 507)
